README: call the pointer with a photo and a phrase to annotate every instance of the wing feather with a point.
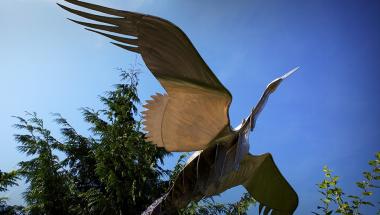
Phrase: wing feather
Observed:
(153, 118)
(196, 107)
(166, 122)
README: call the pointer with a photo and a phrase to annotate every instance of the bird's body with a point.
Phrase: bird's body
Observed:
(227, 163)
(193, 115)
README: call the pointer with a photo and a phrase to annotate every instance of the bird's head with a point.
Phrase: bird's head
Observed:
(272, 86)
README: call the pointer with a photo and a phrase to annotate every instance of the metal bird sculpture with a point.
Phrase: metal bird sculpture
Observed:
(193, 115)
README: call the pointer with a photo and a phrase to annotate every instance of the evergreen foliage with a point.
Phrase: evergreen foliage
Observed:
(126, 166)
(8, 179)
(48, 190)
(112, 172)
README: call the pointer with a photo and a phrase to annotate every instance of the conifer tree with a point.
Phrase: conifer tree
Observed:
(47, 192)
(127, 166)
(115, 171)
(8, 179)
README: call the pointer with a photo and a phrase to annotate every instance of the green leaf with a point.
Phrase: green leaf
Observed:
(360, 185)
(326, 169)
(323, 185)
(376, 170)
(367, 193)
(353, 197)
(367, 175)
(372, 163)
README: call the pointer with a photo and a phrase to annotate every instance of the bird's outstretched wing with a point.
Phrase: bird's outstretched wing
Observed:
(258, 174)
(267, 185)
(262, 179)
(196, 107)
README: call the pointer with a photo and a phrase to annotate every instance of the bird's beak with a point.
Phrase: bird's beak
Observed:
(289, 73)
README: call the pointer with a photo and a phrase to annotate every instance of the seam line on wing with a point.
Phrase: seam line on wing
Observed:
(162, 120)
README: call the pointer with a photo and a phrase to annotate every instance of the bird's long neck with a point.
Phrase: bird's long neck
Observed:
(250, 121)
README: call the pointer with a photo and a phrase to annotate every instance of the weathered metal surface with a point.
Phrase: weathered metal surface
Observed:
(193, 115)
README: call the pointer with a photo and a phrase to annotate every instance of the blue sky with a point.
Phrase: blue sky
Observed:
(327, 113)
